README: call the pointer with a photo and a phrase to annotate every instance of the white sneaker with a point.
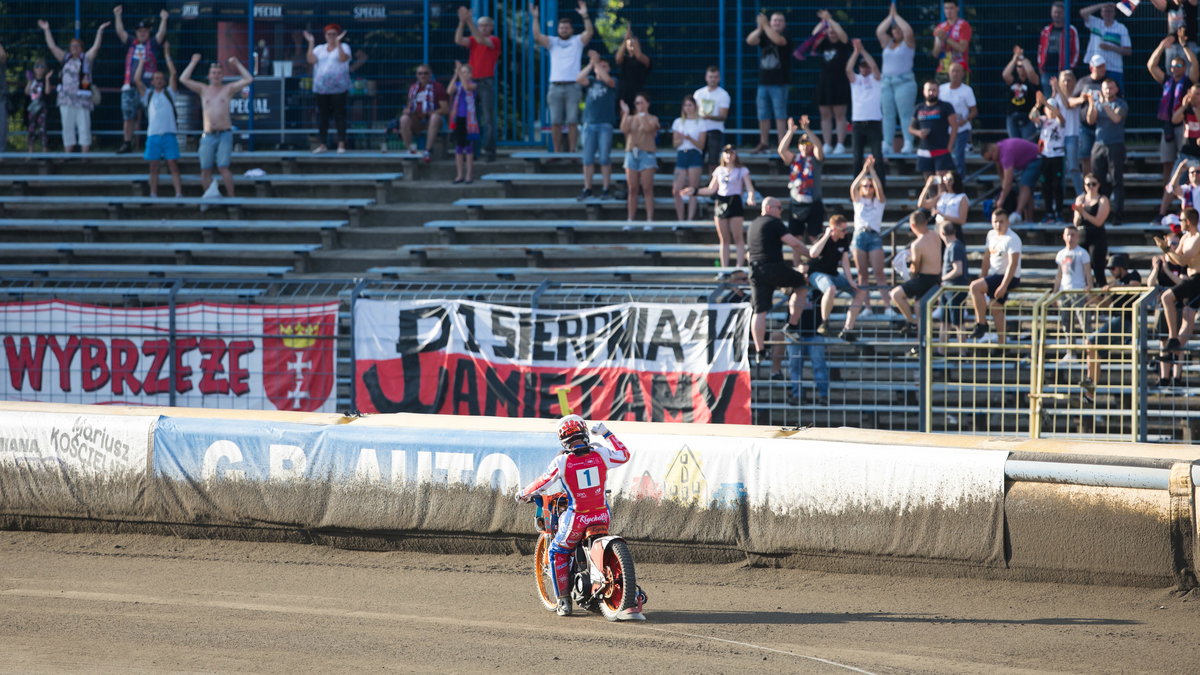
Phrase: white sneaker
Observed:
(840, 149)
(1014, 219)
(989, 338)
(827, 148)
(564, 607)
(906, 150)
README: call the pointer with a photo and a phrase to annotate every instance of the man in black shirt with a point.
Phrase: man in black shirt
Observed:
(768, 270)
(829, 253)
(774, 74)
(936, 124)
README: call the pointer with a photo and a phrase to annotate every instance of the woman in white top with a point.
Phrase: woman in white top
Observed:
(943, 197)
(688, 137)
(75, 95)
(899, 84)
(331, 83)
(866, 193)
(729, 182)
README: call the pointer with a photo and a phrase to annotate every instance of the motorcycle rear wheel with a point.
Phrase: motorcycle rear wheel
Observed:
(542, 571)
(621, 589)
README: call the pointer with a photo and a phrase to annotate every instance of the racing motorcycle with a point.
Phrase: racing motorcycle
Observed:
(602, 576)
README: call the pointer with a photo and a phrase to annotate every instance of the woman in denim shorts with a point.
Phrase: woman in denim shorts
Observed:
(866, 193)
(687, 134)
(729, 182)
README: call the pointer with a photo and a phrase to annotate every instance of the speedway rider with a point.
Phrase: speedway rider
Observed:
(580, 471)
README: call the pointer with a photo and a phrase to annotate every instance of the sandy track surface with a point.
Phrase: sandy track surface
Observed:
(129, 603)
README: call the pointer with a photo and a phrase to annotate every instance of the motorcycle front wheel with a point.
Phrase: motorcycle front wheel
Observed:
(620, 591)
(543, 571)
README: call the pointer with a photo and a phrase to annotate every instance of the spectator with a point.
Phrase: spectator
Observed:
(925, 259)
(599, 116)
(951, 41)
(936, 124)
(714, 103)
(1091, 210)
(75, 95)
(39, 86)
(1108, 154)
(866, 193)
(828, 253)
(1188, 115)
(899, 84)
(1118, 328)
(330, 83)
(635, 67)
(1184, 72)
(999, 274)
(141, 47)
(1166, 274)
(427, 106)
(811, 346)
(161, 127)
(1072, 262)
(566, 51)
(1022, 81)
(1014, 156)
(1058, 46)
(954, 273)
(484, 50)
(768, 271)
(806, 220)
(1051, 143)
(216, 145)
(867, 109)
(3, 100)
(1062, 87)
(1185, 254)
(959, 94)
(687, 134)
(833, 89)
(729, 182)
(640, 129)
(774, 75)
(1109, 40)
(944, 197)
(464, 122)
(1084, 89)
(1188, 193)
(1179, 14)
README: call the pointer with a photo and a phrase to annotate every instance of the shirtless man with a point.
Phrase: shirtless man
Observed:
(216, 145)
(925, 257)
(639, 129)
(1187, 253)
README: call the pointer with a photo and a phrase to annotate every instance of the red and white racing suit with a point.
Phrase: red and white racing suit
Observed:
(582, 477)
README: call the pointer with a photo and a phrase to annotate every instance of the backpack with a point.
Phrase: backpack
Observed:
(170, 99)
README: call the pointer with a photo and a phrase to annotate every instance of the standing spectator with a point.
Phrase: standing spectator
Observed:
(867, 106)
(714, 104)
(954, 273)
(1084, 89)
(925, 259)
(484, 50)
(1179, 14)
(216, 145)
(635, 67)
(768, 270)
(944, 198)
(1000, 273)
(1058, 46)
(1051, 143)
(1062, 87)
(866, 193)
(1188, 193)
(833, 89)
(687, 134)
(951, 40)
(39, 86)
(599, 116)
(427, 106)
(1188, 115)
(566, 51)
(807, 216)
(1072, 262)
(729, 182)
(811, 346)
(899, 84)
(640, 129)
(936, 124)
(75, 102)
(1185, 254)
(1014, 156)
(1022, 81)
(959, 94)
(140, 47)
(464, 122)
(1091, 210)
(774, 75)
(330, 83)
(1184, 71)
(829, 253)
(161, 128)
(1108, 154)
(1109, 40)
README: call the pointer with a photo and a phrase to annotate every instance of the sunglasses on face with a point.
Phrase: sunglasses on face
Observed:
(1092, 184)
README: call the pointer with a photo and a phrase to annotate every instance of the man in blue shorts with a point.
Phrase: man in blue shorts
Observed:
(161, 143)
(828, 253)
(216, 145)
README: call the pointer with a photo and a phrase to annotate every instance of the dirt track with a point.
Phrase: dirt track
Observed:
(149, 604)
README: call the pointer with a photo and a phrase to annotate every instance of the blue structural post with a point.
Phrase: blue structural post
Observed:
(78, 19)
(721, 36)
(250, 66)
(737, 68)
(425, 32)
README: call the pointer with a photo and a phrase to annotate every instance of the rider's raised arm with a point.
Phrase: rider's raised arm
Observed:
(615, 456)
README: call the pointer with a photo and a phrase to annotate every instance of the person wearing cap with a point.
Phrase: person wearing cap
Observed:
(1085, 89)
(141, 46)
(807, 211)
(866, 106)
(1183, 73)
(1110, 39)
(1058, 46)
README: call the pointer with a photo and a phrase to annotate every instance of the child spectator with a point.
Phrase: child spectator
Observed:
(464, 123)
(1061, 88)
(599, 116)
(1051, 148)
(830, 252)
(161, 142)
(866, 193)
(729, 182)
(954, 273)
(1091, 211)
(38, 88)
(999, 274)
(687, 135)
(807, 215)
(926, 267)
(1072, 263)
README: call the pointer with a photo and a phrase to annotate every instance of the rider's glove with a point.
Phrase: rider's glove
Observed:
(601, 430)
(521, 499)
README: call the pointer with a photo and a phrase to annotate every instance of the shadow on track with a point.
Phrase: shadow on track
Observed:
(802, 618)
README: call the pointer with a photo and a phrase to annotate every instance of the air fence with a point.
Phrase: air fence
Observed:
(1069, 366)
(389, 39)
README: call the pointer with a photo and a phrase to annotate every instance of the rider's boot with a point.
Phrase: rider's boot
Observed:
(564, 606)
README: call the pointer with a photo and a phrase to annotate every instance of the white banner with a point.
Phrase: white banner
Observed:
(87, 444)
